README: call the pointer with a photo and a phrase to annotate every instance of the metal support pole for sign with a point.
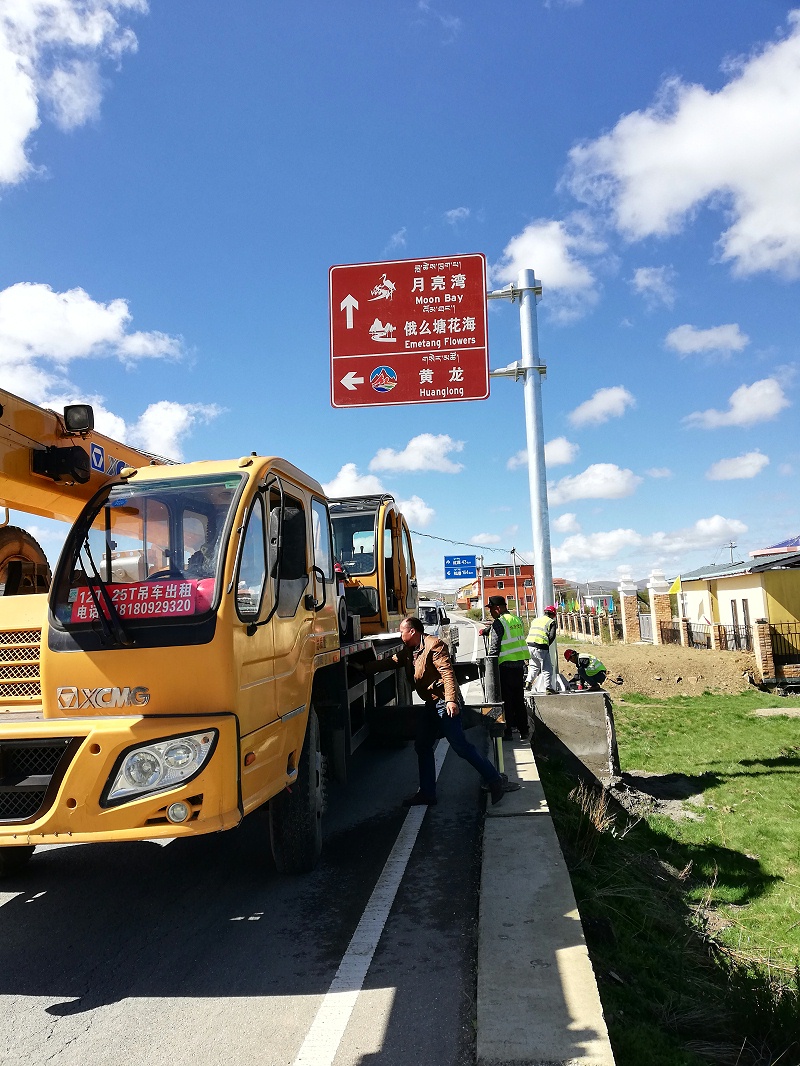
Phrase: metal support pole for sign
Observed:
(534, 431)
(532, 370)
(483, 607)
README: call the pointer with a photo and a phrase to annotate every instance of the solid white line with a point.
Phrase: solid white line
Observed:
(323, 1038)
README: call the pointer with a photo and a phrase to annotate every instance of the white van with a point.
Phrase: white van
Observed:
(433, 615)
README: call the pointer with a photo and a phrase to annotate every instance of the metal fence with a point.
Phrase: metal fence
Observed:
(785, 643)
(670, 632)
(735, 638)
(699, 635)
(646, 626)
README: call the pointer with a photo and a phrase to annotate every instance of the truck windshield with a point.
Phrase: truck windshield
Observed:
(156, 546)
(354, 541)
(428, 616)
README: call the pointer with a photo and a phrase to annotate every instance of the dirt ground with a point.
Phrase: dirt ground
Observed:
(669, 670)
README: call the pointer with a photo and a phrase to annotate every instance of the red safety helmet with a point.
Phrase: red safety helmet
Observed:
(552, 609)
(570, 654)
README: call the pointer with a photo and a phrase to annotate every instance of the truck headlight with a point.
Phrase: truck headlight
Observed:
(159, 765)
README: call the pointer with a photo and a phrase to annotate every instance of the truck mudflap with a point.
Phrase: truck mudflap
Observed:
(57, 780)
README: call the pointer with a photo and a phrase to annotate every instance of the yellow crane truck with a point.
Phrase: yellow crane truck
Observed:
(191, 661)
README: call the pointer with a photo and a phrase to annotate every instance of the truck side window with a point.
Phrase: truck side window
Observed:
(388, 567)
(292, 562)
(252, 565)
(321, 532)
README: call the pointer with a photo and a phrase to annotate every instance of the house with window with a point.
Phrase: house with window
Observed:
(515, 582)
(736, 594)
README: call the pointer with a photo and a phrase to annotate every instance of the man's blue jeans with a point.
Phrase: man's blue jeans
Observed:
(434, 722)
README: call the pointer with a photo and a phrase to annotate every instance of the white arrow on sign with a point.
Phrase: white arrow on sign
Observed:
(348, 304)
(350, 380)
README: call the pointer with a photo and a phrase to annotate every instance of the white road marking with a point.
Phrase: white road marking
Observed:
(325, 1035)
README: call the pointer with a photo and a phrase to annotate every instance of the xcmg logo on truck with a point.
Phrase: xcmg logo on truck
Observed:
(75, 699)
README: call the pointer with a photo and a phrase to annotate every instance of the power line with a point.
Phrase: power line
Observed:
(464, 544)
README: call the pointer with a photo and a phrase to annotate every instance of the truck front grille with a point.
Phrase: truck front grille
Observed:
(30, 771)
(20, 682)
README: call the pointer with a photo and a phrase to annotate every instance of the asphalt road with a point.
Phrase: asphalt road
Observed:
(198, 952)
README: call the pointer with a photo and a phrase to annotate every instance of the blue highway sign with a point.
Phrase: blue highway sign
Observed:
(460, 566)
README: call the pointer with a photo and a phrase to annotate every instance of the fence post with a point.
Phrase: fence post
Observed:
(719, 640)
(762, 646)
(660, 610)
(629, 609)
(685, 632)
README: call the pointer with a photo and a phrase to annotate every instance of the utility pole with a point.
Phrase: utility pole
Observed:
(531, 370)
(514, 572)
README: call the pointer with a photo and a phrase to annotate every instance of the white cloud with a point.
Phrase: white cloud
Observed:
(42, 332)
(456, 215)
(686, 340)
(655, 284)
(163, 425)
(659, 471)
(38, 323)
(566, 523)
(694, 147)
(786, 470)
(560, 452)
(743, 466)
(485, 538)
(551, 248)
(417, 512)
(397, 239)
(51, 53)
(749, 404)
(557, 452)
(706, 533)
(603, 405)
(600, 481)
(422, 453)
(348, 482)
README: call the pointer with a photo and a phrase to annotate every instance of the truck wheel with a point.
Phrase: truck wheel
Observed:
(14, 860)
(295, 818)
(18, 546)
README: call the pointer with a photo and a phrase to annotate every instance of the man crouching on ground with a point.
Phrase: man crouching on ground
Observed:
(427, 663)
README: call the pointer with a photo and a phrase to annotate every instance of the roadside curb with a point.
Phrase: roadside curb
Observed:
(537, 998)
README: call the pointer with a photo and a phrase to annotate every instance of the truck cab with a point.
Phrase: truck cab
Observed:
(372, 545)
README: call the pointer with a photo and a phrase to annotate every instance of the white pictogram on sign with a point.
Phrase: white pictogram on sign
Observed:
(384, 290)
(383, 332)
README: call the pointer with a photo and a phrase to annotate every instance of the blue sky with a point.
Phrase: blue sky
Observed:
(177, 178)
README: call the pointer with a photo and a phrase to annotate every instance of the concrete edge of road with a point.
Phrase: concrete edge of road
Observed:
(537, 1001)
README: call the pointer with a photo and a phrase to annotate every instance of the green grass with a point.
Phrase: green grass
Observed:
(694, 926)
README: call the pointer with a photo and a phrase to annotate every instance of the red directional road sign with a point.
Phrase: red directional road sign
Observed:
(409, 331)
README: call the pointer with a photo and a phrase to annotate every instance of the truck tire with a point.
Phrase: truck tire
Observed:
(18, 546)
(295, 818)
(14, 860)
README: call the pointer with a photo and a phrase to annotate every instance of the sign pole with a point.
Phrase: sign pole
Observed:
(532, 370)
(534, 431)
(483, 609)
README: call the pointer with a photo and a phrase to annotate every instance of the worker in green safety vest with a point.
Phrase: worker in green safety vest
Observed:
(541, 636)
(507, 642)
(591, 672)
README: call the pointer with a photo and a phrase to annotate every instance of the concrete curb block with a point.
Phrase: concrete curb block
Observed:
(537, 1001)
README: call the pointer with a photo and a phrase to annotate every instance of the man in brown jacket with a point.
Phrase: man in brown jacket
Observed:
(427, 662)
